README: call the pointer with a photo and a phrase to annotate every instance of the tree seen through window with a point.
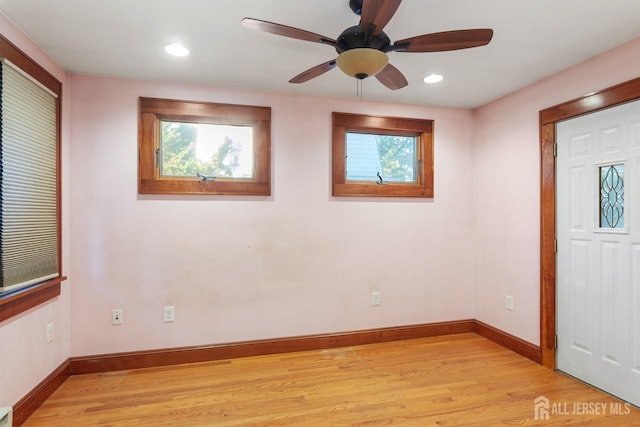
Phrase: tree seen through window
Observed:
(374, 157)
(191, 150)
(397, 157)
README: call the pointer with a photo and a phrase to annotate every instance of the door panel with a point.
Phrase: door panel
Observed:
(580, 321)
(635, 309)
(598, 231)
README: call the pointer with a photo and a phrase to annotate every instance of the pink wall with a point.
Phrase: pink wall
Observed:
(506, 187)
(26, 357)
(299, 262)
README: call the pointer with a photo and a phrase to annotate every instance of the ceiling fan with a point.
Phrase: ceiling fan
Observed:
(362, 49)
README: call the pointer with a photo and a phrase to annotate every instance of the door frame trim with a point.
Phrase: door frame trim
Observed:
(609, 97)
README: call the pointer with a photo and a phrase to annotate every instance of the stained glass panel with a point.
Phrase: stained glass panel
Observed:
(612, 196)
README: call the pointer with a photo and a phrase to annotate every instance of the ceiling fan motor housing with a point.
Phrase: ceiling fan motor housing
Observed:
(354, 37)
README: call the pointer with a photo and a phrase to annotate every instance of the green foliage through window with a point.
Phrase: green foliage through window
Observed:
(374, 157)
(191, 150)
(397, 157)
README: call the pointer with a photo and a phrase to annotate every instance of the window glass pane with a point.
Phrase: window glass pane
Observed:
(209, 150)
(612, 196)
(376, 157)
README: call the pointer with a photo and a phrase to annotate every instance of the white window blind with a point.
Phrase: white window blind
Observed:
(28, 160)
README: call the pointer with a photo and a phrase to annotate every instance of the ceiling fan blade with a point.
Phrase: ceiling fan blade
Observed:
(447, 40)
(376, 14)
(314, 72)
(286, 31)
(392, 78)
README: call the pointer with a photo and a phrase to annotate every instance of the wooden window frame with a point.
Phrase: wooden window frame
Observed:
(18, 301)
(153, 110)
(382, 125)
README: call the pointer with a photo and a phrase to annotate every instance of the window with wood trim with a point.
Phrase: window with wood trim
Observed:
(382, 156)
(189, 147)
(30, 247)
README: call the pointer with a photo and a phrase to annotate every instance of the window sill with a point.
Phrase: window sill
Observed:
(369, 189)
(13, 303)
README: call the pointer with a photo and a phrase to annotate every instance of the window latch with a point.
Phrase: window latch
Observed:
(380, 181)
(205, 177)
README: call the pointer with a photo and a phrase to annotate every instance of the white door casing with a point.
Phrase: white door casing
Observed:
(598, 267)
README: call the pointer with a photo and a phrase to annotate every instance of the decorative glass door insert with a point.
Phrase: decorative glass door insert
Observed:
(611, 179)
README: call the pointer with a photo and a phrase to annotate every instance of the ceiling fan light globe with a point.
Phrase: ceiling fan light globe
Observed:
(362, 62)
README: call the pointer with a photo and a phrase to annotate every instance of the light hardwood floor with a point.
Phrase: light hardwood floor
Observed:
(455, 380)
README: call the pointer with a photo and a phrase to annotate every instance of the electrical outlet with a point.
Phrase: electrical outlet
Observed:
(169, 313)
(375, 298)
(50, 332)
(116, 317)
(509, 303)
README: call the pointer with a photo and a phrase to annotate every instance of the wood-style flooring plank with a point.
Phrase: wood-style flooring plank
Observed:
(455, 380)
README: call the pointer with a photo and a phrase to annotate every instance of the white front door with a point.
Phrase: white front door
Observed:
(598, 259)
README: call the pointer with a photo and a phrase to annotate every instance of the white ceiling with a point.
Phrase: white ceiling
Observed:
(532, 39)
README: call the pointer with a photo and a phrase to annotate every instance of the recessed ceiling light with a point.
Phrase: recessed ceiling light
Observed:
(176, 49)
(433, 78)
